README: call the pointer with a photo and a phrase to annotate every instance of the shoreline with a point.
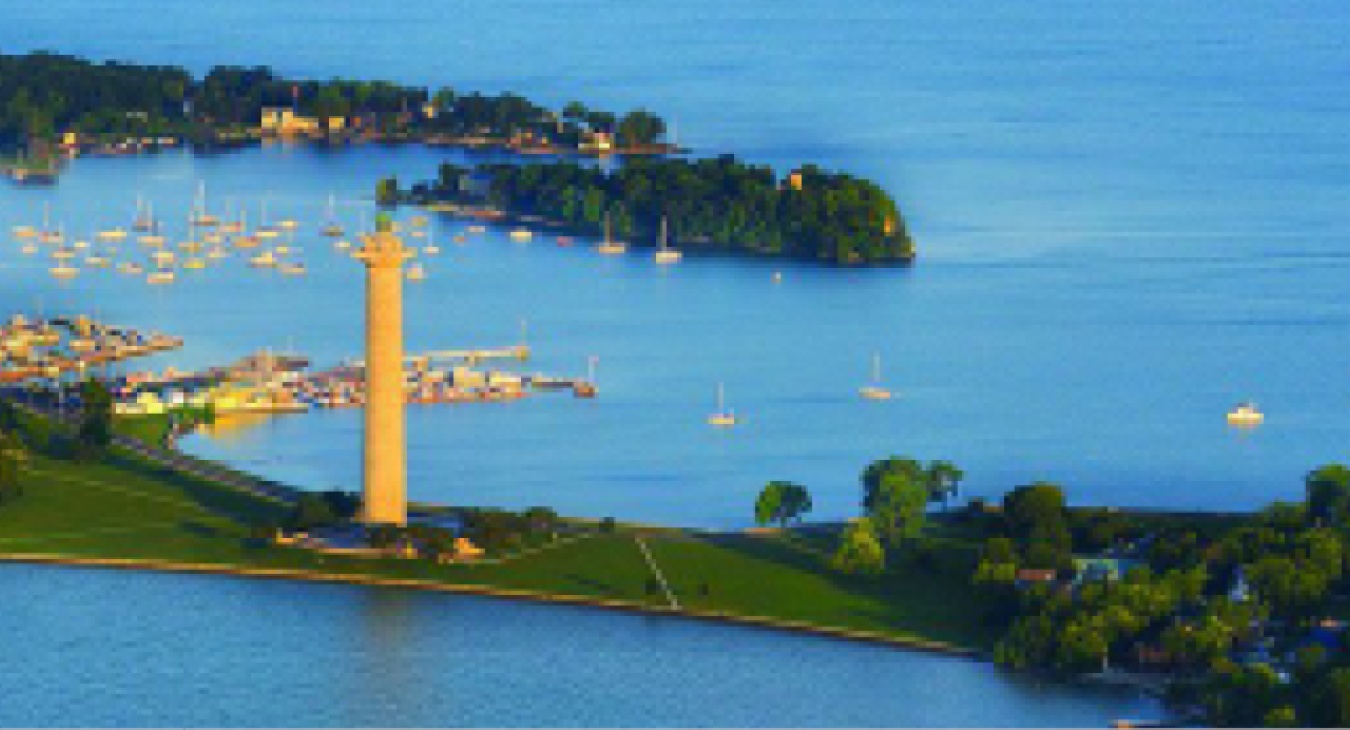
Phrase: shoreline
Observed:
(307, 576)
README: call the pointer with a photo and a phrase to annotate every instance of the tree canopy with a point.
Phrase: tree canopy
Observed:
(782, 502)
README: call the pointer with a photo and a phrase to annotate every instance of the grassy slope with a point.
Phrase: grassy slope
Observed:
(128, 508)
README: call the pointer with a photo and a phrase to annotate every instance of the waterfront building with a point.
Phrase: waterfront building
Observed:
(385, 468)
(283, 120)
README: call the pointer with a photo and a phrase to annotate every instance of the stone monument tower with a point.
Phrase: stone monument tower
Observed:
(385, 455)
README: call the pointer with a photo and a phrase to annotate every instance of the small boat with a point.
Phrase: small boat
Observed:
(477, 229)
(665, 254)
(152, 240)
(61, 254)
(80, 245)
(246, 242)
(342, 244)
(160, 277)
(199, 216)
(212, 238)
(609, 247)
(64, 271)
(112, 234)
(266, 232)
(777, 277)
(722, 417)
(1245, 414)
(431, 249)
(194, 264)
(416, 273)
(282, 249)
(586, 388)
(235, 226)
(96, 261)
(287, 224)
(145, 219)
(217, 252)
(565, 241)
(521, 234)
(418, 220)
(289, 269)
(190, 246)
(24, 232)
(127, 267)
(875, 391)
(460, 239)
(331, 229)
(163, 258)
(263, 260)
(28, 249)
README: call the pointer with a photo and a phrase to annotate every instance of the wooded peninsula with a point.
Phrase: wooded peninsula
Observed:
(714, 204)
(54, 107)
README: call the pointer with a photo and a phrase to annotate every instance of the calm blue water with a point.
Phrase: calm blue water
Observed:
(105, 648)
(1129, 219)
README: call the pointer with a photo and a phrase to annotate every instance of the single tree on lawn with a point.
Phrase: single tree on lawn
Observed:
(859, 550)
(782, 502)
(95, 429)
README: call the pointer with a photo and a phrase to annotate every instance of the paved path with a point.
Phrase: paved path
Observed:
(656, 571)
(171, 458)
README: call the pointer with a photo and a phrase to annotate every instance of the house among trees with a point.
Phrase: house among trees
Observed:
(284, 121)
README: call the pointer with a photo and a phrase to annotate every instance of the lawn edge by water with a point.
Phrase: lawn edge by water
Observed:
(802, 627)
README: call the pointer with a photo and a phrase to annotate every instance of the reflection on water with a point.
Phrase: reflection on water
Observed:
(98, 647)
(232, 427)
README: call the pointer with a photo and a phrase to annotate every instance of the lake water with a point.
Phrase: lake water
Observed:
(1129, 218)
(94, 647)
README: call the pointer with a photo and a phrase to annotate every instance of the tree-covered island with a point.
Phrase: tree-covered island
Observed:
(54, 104)
(713, 204)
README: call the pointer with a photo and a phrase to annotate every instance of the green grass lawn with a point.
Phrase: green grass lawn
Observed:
(125, 507)
(785, 577)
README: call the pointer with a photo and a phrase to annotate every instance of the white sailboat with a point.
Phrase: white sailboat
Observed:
(609, 247)
(875, 391)
(145, 217)
(665, 254)
(331, 228)
(722, 417)
(199, 215)
(431, 249)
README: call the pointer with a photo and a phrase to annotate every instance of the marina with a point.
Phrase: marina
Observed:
(1083, 265)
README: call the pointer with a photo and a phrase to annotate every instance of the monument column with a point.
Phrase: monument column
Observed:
(385, 486)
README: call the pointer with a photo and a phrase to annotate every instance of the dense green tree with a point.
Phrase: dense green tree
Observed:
(1329, 700)
(640, 127)
(898, 509)
(944, 480)
(859, 550)
(94, 432)
(782, 502)
(13, 455)
(311, 511)
(1328, 490)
